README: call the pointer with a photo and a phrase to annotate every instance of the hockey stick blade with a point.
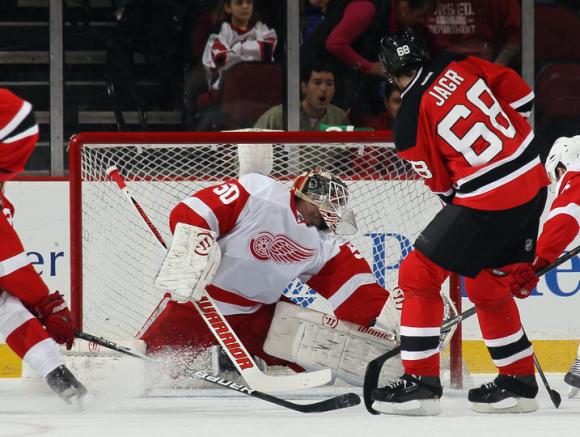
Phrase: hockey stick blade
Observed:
(344, 400)
(373, 370)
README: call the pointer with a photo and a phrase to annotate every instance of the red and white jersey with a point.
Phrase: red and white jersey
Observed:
(265, 245)
(563, 223)
(462, 126)
(231, 45)
(18, 134)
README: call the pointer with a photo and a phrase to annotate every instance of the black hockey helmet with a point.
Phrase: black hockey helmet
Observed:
(401, 50)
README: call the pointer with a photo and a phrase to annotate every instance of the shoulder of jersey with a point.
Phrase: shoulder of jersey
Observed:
(260, 185)
(408, 117)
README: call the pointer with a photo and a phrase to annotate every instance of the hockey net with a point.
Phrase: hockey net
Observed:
(114, 257)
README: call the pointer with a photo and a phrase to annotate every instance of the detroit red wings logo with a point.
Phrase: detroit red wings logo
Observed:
(278, 248)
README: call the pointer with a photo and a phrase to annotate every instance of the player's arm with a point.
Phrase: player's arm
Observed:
(348, 283)
(196, 223)
(563, 223)
(505, 84)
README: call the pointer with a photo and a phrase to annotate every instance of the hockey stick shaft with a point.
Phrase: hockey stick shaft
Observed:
(338, 402)
(221, 329)
(374, 367)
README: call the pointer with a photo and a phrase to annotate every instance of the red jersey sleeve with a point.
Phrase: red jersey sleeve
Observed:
(348, 283)
(563, 223)
(216, 208)
(505, 84)
(356, 18)
(18, 134)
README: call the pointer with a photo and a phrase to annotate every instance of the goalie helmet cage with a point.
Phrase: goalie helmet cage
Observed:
(114, 257)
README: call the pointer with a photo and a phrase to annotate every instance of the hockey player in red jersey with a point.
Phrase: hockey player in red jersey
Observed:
(462, 125)
(269, 236)
(562, 225)
(31, 318)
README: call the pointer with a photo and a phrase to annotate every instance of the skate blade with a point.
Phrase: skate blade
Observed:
(423, 407)
(573, 392)
(509, 405)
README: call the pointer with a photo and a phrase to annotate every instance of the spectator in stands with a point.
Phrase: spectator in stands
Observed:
(350, 34)
(240, 37)
(391, 96)
(489, 29)
(318, 87)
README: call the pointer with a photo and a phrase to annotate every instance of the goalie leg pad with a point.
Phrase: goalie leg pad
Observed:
(190, 263)
(316, 340)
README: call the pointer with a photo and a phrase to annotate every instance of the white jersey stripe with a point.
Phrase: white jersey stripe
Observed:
(522, 101)
(503, 341)
(496, 164)
(409, 331)
(27, 133)
(512, 359)
(16, 120)
(12, 264)
(572, 209)
(419, 355)
(502, 181)
(199, 207)
(228, 309)
(349, 287)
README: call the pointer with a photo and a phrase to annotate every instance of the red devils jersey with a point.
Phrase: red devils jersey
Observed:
(18, 134)
(563, 222)
(462, 126)
(265, 245)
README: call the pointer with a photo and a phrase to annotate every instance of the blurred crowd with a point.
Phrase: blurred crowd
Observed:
(231, 54)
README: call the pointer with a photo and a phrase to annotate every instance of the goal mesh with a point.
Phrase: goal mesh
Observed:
(115, 257)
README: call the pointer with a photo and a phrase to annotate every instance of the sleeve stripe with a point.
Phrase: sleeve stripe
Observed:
(572, 209)
(12, 264)
(521, 102)
(16, 120)
(349, 287)
(200, 208)
(27, 133)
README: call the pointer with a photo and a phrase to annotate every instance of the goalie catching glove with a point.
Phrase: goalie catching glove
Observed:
(190, 263)
(54, 314)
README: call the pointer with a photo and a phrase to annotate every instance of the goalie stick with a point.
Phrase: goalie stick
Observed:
(222, 330)
(373, 371)
(335, 403)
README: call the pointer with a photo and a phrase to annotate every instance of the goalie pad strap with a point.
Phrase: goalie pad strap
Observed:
(190, 263)
(316, 340)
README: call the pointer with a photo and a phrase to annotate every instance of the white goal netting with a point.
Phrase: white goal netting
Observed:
(120, 257)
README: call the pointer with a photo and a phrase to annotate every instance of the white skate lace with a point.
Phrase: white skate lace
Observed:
(398, 383)
(490, 385)
(576, 367)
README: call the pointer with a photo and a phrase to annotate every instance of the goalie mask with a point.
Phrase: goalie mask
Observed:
(330, 195)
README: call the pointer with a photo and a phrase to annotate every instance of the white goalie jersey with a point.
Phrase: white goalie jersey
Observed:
(265, 245)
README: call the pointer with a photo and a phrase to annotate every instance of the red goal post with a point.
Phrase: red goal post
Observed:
(113, 257)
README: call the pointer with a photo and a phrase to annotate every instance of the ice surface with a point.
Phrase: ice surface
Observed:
(32, 411)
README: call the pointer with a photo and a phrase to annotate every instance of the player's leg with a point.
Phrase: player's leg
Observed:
(420, 279)
(22, 331)
(508, 345)
(24, 334)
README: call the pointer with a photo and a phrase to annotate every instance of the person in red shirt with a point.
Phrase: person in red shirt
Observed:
(31, 318)
(462, 126)
(563, 223)
(489, 29)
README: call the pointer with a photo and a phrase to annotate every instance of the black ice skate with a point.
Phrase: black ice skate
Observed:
(64, 384)
(410, 395)
(572, 378)
(506, 394)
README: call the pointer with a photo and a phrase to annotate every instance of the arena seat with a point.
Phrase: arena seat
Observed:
(558, 91)
(250, 89)
(557, 32)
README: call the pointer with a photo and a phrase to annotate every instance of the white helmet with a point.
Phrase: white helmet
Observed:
(564, 152)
